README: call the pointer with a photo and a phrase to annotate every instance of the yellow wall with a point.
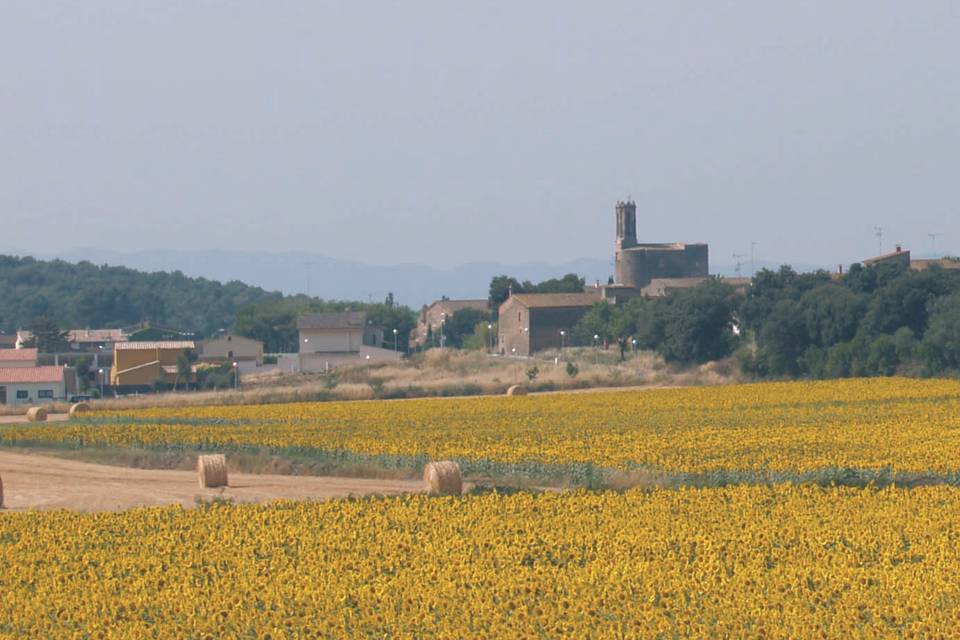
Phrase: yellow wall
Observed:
(124, 359)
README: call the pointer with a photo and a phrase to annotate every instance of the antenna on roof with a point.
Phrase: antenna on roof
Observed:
(878, 231)
(933, 243)
(738, 257)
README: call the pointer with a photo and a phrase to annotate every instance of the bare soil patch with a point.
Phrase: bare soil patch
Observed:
(33, 481)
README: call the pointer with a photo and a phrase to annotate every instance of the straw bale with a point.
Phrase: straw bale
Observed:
(443, 478)
(36, 414)
(212, 470)
(79, 409)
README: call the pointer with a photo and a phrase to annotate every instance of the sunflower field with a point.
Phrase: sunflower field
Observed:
(767, 551)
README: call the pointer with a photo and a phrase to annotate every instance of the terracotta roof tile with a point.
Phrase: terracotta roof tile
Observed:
(131, 346)
(20, 355)
(556, 300)
(21, 375)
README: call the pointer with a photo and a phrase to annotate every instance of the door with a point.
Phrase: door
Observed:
(3, 395)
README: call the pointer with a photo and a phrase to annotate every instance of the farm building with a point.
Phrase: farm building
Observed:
(35, 385)
(140, 364)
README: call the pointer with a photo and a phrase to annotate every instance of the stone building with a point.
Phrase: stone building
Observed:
(637, 264)
(431, 316)
(531, 322)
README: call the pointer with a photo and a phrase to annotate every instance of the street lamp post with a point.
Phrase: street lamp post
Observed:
(563, 335)
(596, 339)
(634, 342)
(236, 376)
(101, 383)
(490, 335)
(396, 349)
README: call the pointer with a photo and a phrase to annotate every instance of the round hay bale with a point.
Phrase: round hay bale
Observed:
(517, 390)
(443, 478)
(212, 470)
(36, 414)
(79, 409)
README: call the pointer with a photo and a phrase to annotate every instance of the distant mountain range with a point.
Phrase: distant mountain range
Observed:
(335, 279)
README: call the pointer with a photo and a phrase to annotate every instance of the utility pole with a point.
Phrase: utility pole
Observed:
(933, 244)
(753, 268)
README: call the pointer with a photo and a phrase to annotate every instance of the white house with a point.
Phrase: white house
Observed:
(33, 385)
(337, 332)
(334, 338)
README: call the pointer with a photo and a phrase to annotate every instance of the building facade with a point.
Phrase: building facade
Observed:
(231, 348)
(531, 322)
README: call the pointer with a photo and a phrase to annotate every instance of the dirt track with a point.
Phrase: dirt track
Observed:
(43, 482)
(53, 417)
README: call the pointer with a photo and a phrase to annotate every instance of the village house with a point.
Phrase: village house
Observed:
(531, 322)
(231, 348)
(35, 385)
(140, 364)
(437, 312)
(329, 339)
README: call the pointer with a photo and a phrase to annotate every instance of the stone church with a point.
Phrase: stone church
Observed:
(637, 265)
(537, 321)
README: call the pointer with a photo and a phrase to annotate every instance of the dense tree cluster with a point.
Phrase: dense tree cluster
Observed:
(693, 325)
(84, 295)
(56, 295)
(872, 321)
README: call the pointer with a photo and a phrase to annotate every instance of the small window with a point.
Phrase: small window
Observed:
(22, 394)
(518, 316)
(45, 394)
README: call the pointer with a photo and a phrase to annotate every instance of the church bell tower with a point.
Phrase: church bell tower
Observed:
(626, 224)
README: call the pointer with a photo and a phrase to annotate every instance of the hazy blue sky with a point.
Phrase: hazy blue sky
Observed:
(447, 132)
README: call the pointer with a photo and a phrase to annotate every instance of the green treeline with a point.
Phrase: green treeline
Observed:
(872, 321)
(85, 295)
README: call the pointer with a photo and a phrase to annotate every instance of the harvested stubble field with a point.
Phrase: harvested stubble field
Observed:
(738, 531)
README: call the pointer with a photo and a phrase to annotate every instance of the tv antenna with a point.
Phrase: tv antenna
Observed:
(739, 258)
(878, 231)
(933, 243)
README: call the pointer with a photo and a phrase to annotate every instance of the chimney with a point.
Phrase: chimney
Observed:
(840, 269)
(898, 249)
